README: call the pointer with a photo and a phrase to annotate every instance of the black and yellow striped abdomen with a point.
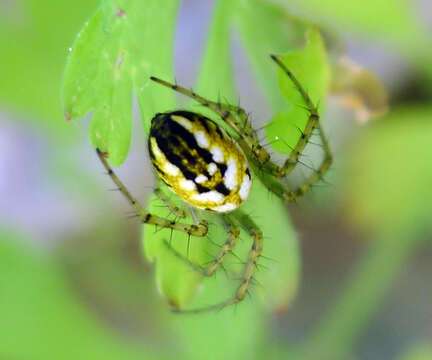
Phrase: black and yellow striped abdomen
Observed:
(199, 161)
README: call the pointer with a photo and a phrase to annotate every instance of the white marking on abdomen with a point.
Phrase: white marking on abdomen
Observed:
(217, 154)
(212, 195)
(171, 169)
(201, 139)
(212, 168)
(200, 179)
(245, 187)
(187, 185)
(182, 121)
(225, 207)
(230, 179)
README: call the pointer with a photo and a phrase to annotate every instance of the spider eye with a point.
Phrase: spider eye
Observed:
(199, 161)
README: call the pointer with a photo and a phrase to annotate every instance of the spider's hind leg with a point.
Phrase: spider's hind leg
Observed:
(287, 194)
(178, 211)
(225, 249)
(146, 217)
(255, 233)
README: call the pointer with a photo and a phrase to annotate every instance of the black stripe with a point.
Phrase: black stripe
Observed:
(222, 168)
(152, 156)
(186, 114)
(202, 189)
(219, 131)
(204, 122)
(176, 130)
(171, 136)
(158, 169)
(175, 159)
(176, 143)
(222, 189)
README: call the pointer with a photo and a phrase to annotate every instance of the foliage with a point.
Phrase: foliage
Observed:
(384, 187)
(103, 84)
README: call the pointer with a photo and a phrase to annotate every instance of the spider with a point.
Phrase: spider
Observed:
(209, 169)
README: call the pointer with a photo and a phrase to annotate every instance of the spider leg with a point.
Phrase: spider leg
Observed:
(226, 111)
(258, 153)
(146, 217)
(174, 209)
(312, 123)
(225, 249)
(289, 195)
(255, 233)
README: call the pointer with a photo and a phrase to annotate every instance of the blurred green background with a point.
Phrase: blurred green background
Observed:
(74, 283)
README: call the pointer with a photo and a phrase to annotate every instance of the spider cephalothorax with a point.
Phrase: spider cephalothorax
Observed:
(208, 169)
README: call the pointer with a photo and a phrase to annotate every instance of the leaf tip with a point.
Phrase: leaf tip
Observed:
(103, 154)
(175, 306)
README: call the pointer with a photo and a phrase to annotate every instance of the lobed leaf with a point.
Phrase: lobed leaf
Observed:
(276, 33)
(176, 279)
(112, 55)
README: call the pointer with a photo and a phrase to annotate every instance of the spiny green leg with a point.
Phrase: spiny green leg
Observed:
(281, 171)
(289, 195)
(147, 218)
(312, 123)
(255, 233)
(173, 208)
(243, 128)
(317, 174)
(226, 248)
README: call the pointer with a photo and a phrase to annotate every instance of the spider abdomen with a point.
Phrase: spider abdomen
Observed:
(199, 161)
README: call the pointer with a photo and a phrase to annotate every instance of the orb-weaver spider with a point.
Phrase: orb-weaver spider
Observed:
(208, 169)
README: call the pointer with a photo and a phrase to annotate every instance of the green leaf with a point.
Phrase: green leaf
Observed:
(276, 34)
(280, 272)
(310, 66)
(34, 38)
(179, 283)
(176, 280)
(216, 80)
(113, 54)
(238, 332)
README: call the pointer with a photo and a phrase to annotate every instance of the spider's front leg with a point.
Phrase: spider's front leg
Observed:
(227, 112)
(293, 159)
(146, 217)
(287, 194)
(248, 139)
(312, 123)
